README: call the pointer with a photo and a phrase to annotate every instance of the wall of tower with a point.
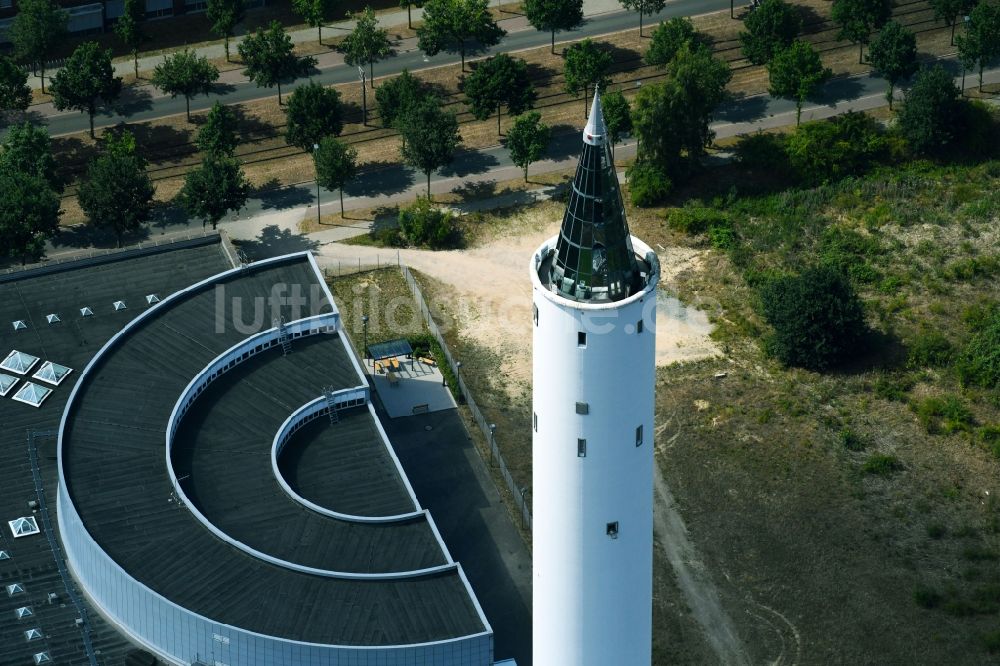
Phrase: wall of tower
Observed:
(592, 492)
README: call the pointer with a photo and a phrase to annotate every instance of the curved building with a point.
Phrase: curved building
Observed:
(594, 310)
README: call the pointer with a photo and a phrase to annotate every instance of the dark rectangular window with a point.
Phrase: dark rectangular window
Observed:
(612, 530)
(581, 339)
(638, 436)
(581, 448)
(638, 326)
(582, 408)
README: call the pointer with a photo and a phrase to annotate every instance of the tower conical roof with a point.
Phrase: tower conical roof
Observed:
(594, 259)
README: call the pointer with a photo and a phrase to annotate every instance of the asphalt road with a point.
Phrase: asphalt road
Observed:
(145, 103)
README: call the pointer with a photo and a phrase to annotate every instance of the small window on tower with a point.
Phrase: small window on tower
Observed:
(581, 339)
(612, 530)
(638, 436)
(638, 326)
(582, 408)
(534, 309)
(581, 448)
(534, 421)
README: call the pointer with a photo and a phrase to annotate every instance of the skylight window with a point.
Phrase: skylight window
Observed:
(52, 318)
(23, 612)
(86, 312)
(15, 589)
(7, 382)
(4, 555)
(52, 373)
(19, 325)
(119, 305)
(152, 299)
(42, 658)
(32, 394)
(23, 526)
(19, 362)
(33, 634)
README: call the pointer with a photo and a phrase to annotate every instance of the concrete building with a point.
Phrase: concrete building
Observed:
(594, 297)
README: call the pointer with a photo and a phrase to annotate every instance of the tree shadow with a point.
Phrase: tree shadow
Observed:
(276, 197)
(169, 215)
(72, 154)
(86, 235)
(839, 89)
(880, 351)
(475, 190)
(565, 142)
(251, 127)
(743, 109)
(812, 22)
(622, 58)
(132, 100)
(469, 162)
(381, 178)
(539, 73)
(163, 142)
(274, 241)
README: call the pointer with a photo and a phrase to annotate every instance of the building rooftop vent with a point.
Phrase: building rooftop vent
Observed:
(33, 634)
(42, 658)
(4, 555)
(7, 382)
(152, 299)
(32, 394)
(86, 312)
(23, 612)
(18, 362)
(119, 305)
(52, 373)
(14, 589)
(19, 325)
(23, 526)
(52, 318)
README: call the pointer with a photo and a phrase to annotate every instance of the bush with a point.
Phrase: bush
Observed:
(882, 464)
(943, 415)
(979, 362)
(928, 118)
(827, 150)
(695, 219)
(850, 440)
(936, 530)
(929, 349)
(990, 436)
(424, 225)
(991, 641)
(648, 184)
(765, 152)
(817, 318)
(893, 388)
(849, 252)
(927, 597)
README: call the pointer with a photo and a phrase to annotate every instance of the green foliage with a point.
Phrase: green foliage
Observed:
(27, 150)
(218, 134)
(851, 440)
(991, 641)
(858, 19)
(950, 10)
(430, 137)
(763, 152)
(892, 387)
(927, 118)
(979, 362)
(849, 251)
(214, 188)
(15, 94)
(643, 7)
(527, 140)
(185, 73)
(769, 28)
(981, 42)
(617, 115)
(648, 184)
(86, 79)
(667, 40)
(313, 112)
(270, 57)
(315, 12)
(929, 349)
(128, 29)
(553, 15)
(797, 73)
(893, 55)
(426, 226)
(39, 26)
(499, 81)
(927, 597)
(397, 96)
(882, 464)
(817, 318)
(943, 415)
(990, 436)
(828, 150)
(29, 214)
(117, 194)
(449, 24)
(977, 129)
(587, 66)
(694, 220)
(367, 43)
(336, 165)
(936, 531)
(225, 15)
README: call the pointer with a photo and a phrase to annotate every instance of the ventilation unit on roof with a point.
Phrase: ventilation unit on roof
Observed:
(42, 658)
(19, 325)
(86, 312)
(33, 634)
(32, 394)
(52, 373)
(23, 612)
(18, 362)
(52, 318)
(23, 526)
(14, 589)
(119, 305)
(7, 382)
(151, 299)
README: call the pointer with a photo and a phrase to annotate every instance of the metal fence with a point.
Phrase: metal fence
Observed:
(518, 493)
(345, 268)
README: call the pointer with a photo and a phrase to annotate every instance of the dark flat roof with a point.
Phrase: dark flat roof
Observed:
(122, 492)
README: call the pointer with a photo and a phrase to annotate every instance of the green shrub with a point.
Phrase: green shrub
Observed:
(979, 553)
(936, 530)
(927, 119)
(929, 349)
(424, 225)
(849, 251)
(943, 415)
(764, 152)
(827, 150)
(979, 362)
(990, 436)
(889, 387)
(648, 184)
(695, 220)
(882, 464)
(850, 440)
(927, 597)
(991, 641)
(817, 318)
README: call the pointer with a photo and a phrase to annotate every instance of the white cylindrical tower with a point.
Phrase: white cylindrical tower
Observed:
(594, 296)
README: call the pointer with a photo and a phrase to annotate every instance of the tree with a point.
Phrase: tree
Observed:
(409, 16)
(225, 15)
(797, 73)
(86, 79)
(927, 118)
(117, 192)
(771, 27)
(527, 140)
(314, 12)
(858, 19)
(828, 150)
(949, 11)
(397, 95)
(981, 43)
(817, 317)
(617, 116)
(214, 188)
(38, 27)
(430, 137)
(586, 67)
(553, 15)
(893, 54)
(128, 27)
(367, 43)
(336, 164)
(449, 24)
(28, 150)
(185, 73)
(270, 57)
(643, 7)
(498, 81)
(668, 38)
(218, 134)
(423, 225)
(14, 91)
(29, 214)
(313, 112)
